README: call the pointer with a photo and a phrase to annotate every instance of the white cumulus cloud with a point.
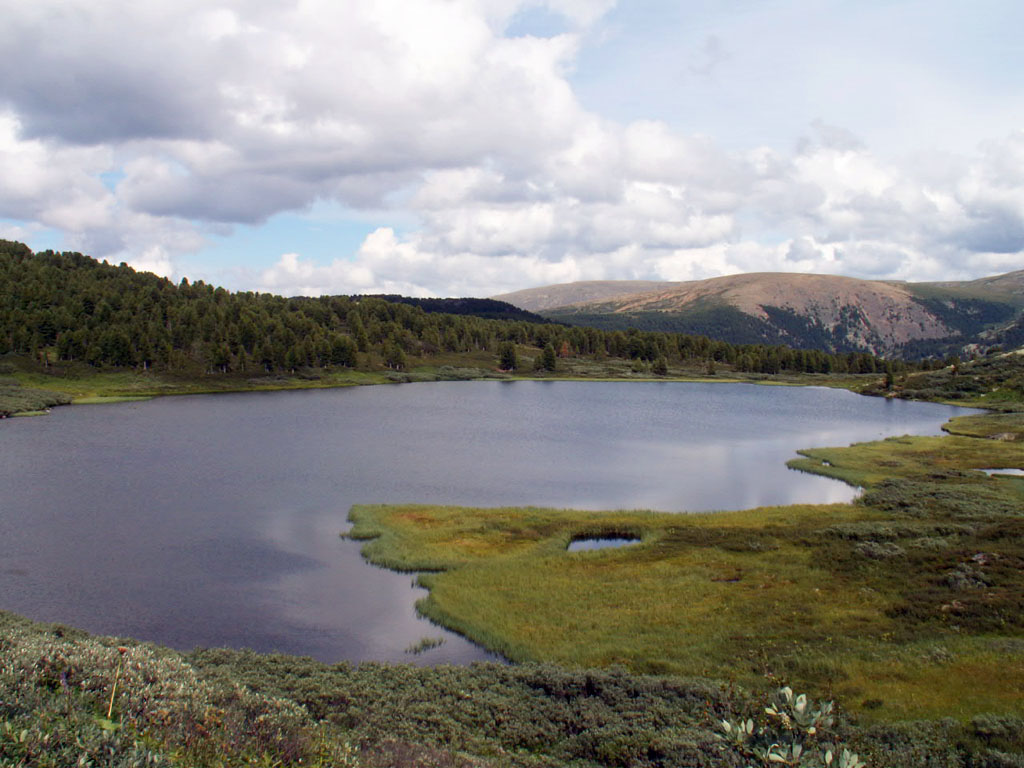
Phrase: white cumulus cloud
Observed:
(151, 126)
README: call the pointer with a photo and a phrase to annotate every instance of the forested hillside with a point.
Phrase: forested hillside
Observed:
(68, 308)
(491, 309)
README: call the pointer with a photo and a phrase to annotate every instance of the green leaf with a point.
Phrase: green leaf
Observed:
(107, 725)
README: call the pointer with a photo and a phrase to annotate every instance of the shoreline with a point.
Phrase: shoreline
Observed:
(89, 391)
(465, 626)
(493, 571)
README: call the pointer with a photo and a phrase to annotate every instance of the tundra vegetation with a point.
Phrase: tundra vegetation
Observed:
(220, 707)
(907, 604)
(905, 607)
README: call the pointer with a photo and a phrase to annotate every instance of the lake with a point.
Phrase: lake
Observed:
(214, 520)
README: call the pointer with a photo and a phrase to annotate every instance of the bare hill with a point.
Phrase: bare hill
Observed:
(1010, 284)
(806, 310)
(563, 294)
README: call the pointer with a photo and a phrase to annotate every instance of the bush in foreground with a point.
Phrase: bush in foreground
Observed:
(233, 708)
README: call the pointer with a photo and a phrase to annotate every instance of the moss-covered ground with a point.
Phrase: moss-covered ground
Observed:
(907, 604)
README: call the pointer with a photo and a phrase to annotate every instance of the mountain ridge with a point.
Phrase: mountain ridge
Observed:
(834, 312)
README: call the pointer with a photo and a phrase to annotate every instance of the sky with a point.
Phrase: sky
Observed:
(474, 147)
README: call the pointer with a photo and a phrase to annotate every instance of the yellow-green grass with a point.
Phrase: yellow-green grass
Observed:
(866, 464)
(1000, 426)
(100, 399)
(808, 595)
(84, 384)
(951, 676)
(116, 386)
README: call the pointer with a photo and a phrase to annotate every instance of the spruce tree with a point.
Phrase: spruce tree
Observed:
(508, 360)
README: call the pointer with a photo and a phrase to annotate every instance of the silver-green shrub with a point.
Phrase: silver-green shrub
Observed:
(792, 735)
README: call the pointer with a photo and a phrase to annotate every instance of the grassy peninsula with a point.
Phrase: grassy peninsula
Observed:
(908, 604)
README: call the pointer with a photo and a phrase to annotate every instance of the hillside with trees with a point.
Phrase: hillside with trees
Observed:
(66, 309)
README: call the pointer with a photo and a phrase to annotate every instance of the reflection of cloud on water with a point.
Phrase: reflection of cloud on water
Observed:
(215, 520)
(372, 608)
(717, 476)
(1012, 472)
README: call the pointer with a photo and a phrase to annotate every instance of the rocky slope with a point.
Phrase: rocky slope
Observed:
(830, 312)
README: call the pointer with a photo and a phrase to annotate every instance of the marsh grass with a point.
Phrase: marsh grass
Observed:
(906, 597)
(101, 400)
(16, 400)
(1001, 426)
(866, 464)
(85, 384)
(425, 644)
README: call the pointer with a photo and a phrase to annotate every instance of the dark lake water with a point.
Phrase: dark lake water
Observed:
(214, 520)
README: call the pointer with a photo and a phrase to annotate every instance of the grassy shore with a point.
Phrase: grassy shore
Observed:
(16, 400)
(81, 384)
(907, 604)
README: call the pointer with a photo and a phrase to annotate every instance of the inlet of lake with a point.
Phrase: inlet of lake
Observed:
(214, 520)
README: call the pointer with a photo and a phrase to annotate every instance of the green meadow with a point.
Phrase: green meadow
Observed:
(906, 604)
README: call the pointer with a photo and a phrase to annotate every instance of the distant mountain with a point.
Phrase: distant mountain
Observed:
(1010, 284)
(564, 294)
(839, 314)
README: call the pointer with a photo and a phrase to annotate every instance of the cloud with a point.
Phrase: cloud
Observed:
(150, 126)
(56, 185)
(154, 259)
(386, 263)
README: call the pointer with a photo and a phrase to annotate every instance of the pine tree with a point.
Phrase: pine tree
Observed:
(548, 359)
(508, 360)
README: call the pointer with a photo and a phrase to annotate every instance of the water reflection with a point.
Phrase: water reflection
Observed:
(589, 545)
(214, 520)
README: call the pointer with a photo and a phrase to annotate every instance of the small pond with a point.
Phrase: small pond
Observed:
(612, 542)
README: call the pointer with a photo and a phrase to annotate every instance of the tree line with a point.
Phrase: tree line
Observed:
(70, 307)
